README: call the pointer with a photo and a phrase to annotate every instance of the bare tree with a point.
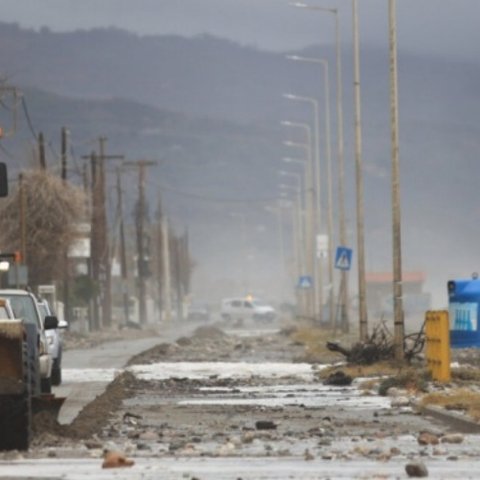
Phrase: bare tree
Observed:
(45, 225)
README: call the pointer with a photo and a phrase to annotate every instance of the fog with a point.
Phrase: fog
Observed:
(197, 86)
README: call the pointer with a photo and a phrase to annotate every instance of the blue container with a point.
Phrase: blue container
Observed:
(463, 309)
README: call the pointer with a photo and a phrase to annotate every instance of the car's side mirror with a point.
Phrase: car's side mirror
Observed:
(50, 322)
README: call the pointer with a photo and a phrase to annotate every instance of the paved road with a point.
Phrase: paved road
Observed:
(83, 364)
(456, 462)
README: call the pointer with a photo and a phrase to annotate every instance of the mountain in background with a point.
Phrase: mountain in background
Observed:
(209, 111)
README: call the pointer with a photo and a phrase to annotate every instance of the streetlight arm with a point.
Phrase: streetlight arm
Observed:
(313, 7)
(299, 58)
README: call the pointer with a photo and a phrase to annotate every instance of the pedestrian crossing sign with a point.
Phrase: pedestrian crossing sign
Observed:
(305, 281)
(343, 258)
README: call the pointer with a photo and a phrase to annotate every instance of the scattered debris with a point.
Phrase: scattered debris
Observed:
(338, 378)
(379, 346)
(265, 425)
(113, 459)
(416, 469)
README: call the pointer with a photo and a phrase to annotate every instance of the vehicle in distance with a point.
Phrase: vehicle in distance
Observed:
(24, 306)
(54, 341)
(238, 309)
(198, 312)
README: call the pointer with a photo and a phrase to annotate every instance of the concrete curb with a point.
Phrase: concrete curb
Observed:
(456, 421)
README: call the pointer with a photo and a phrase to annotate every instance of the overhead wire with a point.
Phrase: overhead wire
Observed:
(212, 199)
(27, 116)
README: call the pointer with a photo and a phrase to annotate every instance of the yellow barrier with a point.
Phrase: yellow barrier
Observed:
(438, 344)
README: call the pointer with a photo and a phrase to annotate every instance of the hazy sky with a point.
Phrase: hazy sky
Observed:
(440, 27)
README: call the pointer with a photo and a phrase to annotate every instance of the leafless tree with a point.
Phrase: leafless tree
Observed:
(39, 217)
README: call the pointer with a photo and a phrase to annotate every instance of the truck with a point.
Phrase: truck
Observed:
(20, 367)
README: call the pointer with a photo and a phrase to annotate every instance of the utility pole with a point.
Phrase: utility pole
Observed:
(41, 151)
(102, 271)
(23, 218)
(140, 229)
(64, 153)
(95, 240)
(66, 270)
(123, 253)
(362, 300)
(178, 268)
(159, 257)
(399, 326)
(167, 287)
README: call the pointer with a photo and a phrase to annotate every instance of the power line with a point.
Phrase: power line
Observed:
(215, 199)
(27, 116)
(7, 153)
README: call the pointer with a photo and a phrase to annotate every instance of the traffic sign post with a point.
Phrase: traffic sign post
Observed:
(343, 258)
(305, 282)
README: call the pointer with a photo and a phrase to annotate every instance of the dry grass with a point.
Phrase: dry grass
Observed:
(466, 374)
(380, 369)
(314, 339)
(458, 399)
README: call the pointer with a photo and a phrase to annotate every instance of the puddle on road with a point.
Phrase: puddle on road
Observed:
(195, 371)
(306, 395)
(80, 375)
(313, 396)
(221, 370)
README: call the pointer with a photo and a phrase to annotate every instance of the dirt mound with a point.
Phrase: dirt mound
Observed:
(90, 420)
(208, 332)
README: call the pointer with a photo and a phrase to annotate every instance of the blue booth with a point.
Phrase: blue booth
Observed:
(463, 309)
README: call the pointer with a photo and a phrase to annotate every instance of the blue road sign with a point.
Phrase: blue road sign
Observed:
(305, 281)
(343, 258)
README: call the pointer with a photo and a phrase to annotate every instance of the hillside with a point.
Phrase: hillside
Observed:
(209, 111)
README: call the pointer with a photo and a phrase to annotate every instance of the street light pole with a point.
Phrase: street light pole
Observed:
(301, 223)
(315, 192)
(324, 64)
(362, 301)
(297, 237)
(399, 327)
(317, 272)
(340, 155)
(309, 224)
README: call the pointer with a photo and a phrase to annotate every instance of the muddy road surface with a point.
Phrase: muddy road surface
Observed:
(244, 404)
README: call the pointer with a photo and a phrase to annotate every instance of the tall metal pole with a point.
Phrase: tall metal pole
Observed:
(399, 327)
(328, 151)
(313, 210)
(341, 175)
(298, 238)
(329, 192)
(309, 229)
(362, 301)
(167, 290)
(316, 214)
(340, 157)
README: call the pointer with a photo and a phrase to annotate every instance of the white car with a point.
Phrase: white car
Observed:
(24, 306)
(54, 341)
(238, 309)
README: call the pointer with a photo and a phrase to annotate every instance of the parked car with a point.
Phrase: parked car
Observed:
(54, 341)
(198, 312)
(6, 311)
(24, 306)
(238, 309)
